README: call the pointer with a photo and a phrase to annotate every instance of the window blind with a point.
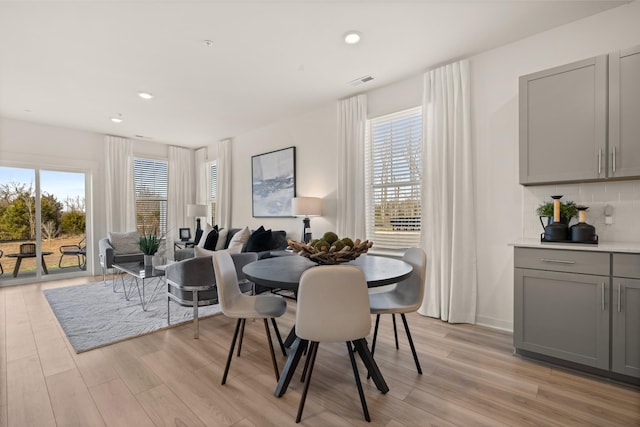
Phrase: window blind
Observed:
(151, 189)
(393, 166)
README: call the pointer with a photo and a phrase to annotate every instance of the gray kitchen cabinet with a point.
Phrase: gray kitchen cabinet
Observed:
(563, 123)
(624, 111)
(560, 312)
(625, 338)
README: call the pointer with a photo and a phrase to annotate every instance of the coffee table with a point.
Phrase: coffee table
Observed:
(140, 276)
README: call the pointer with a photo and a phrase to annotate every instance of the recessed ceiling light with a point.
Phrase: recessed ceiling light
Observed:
(145, 95)
(116, 119)
(352, 37)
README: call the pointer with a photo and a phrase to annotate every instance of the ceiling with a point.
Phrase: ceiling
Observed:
(77, 64)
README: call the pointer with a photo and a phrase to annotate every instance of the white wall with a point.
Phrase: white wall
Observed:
(314, 136)
(506, 210)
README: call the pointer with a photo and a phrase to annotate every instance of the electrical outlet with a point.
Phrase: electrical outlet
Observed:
(608, 220)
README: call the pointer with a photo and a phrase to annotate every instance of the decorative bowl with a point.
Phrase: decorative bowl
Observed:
(332, 255)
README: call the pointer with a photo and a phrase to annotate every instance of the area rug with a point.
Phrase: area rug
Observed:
(93, 316)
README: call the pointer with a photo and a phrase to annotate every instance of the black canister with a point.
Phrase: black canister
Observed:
(583, 232)
(556, 231)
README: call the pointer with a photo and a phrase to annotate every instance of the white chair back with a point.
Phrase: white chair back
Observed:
(411, 290)
(333, 304)
(226, 281)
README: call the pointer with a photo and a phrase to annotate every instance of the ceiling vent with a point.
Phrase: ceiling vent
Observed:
(360, 80)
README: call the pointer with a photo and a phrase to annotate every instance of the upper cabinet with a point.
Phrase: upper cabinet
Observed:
(624, 114)
(564, 116)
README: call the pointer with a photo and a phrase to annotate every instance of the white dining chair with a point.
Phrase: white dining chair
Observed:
(237, 305)
(405, 297)
(333, 306)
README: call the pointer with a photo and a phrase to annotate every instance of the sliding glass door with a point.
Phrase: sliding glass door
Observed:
(42, 224)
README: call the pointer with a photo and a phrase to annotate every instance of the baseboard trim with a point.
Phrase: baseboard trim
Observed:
(489, 322)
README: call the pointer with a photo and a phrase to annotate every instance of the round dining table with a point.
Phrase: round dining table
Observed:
(284, 272)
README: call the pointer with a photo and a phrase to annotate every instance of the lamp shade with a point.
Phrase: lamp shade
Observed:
(306, 206)
(196, 210)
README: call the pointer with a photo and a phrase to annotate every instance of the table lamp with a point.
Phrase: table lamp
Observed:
(306, 207)
(197, 211)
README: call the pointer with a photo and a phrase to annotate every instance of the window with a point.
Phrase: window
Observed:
(393, 179)
(213, 189)
(150, 178)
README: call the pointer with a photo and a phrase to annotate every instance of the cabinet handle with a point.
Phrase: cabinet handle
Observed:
(614, 159)
(557, 261)
(602, 289)
(619, 297)
(599, 161)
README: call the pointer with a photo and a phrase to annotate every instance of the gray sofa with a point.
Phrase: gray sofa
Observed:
(192, 283)
(278, 242)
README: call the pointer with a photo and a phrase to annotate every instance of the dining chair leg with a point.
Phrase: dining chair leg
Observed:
(305, 368)
(395, 330)
(275, 328)
(356, 374)
(375, 337)
(244, 321)
(375, 334)
(413, 349)
(273, 354)
(233, 344)
(313, 350)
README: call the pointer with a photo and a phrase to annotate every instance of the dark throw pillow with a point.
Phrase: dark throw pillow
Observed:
(212, 239)
(260, 240)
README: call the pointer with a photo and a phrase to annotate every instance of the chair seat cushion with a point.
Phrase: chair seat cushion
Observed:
(391, 302)
(257, 307)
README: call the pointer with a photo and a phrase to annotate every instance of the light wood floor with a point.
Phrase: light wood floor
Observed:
(471, 378)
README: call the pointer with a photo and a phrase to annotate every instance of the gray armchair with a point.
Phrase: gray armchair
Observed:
(108, 257)
(192, 283)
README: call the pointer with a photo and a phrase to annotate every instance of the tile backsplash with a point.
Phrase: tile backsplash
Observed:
(623, 197)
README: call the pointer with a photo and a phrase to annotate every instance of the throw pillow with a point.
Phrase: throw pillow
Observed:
(205, 232)
(200, 252)
(240, 238)
(125, 243)
(211, 240)
(260, 240)
(222, 239)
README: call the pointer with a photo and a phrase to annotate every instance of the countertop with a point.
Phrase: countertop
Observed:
(623, 247)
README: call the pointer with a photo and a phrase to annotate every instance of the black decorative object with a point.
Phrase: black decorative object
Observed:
(583, 232)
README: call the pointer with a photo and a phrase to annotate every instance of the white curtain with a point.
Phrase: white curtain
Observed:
(223, 165)
(119, 185)
(202, 198)
(181, 192)
(448, 232)
(352, 117)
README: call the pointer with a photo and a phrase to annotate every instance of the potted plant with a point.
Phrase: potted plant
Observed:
(149, 243)
(567, 211)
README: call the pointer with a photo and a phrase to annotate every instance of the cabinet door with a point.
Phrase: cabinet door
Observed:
(563, 114)
(563, 315)
(624, 111)
(625, 345)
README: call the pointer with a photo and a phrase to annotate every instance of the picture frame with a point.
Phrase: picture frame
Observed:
(185, 234)
(273, 183)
